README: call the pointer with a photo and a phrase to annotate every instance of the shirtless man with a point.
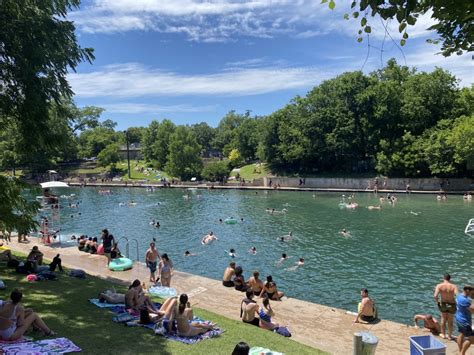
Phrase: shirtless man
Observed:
(255, 284)
(429, 322)
(366, 307)
(229, 272)
(447, 304)
(151, 259)
(208, 238)
(248, 309)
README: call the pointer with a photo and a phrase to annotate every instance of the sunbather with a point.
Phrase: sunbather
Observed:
(135, 299)
(266, 314)
(111, 297)
(184, 314)
(14, 321)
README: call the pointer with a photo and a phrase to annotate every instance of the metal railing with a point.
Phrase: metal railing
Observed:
(127, 246)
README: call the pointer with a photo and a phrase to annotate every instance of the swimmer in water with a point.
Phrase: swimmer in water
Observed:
(152, 222)
(232, 253)
(157, 224)
(300, 262)
(253, 250)
(379, 207)
(241, 220)
(345, 233)
(188, 253)
(283, 258)
(220, 220)
(415, 213)
(208, 238)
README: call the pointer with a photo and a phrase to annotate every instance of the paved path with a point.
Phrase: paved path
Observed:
(318, 326)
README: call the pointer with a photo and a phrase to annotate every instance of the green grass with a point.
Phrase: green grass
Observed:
(64, 307)
(251, 171)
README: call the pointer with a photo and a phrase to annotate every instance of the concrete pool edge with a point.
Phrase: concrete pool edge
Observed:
(322, 327)
(204, 186)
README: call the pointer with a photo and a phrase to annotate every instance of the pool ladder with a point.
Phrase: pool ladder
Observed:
(127, 246)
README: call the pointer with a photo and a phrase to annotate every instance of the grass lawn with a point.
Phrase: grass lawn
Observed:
(64, 307)
(251, 171)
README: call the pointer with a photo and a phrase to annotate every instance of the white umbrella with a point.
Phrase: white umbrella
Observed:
(46, 185)
(52, 171)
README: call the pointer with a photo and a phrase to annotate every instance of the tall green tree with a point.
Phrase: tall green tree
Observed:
(204, 135)
(184, 157)
(109, 156)
(225, 132)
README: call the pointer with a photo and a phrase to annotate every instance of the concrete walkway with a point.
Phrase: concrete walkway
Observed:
(321, 327)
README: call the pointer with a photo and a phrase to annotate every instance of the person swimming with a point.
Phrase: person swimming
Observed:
(208, 238)
(345, 233)
(188, 253)
(253, 250)
(300, 262)
(286, 238)
(283, 258)
(379, 207)
(232, 253)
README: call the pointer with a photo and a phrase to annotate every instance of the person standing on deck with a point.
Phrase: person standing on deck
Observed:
(151, 259)
(464, 311)
(447, 304)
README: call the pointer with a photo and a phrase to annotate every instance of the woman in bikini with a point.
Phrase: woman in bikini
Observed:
(14, 321)
(266, 313)
(135, 299)
(183, 315)
(270, 289)
(165, 269)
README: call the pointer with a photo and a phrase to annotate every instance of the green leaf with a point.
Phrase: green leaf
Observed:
(355, 14)
(403, 42)
(353, 4)
(359, 39)
(324, 1)
(402, 27)
(360, 32)
(367, 29)
(332, 4)
(363, 22)
(346, 16)
(405, 35)
(411, 20)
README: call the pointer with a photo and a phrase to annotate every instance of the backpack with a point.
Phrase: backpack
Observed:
(80, 274)
(283, 331)
(46, 275)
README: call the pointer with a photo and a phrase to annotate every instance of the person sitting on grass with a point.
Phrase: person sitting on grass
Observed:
(135, 299)
(165, 314)
(248, 309)
(429, 322)
(15, 321)
(241, 349)
(266, 313)
(270, 290)
(35, 257)
(229, 273)
(56, 263)
(6, 254)
(184, 315)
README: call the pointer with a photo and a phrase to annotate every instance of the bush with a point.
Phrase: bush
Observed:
(216, 171)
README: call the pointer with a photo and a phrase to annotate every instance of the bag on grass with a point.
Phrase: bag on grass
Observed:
(46, 275)
(80, 274)
(123, 318)
(283, 331)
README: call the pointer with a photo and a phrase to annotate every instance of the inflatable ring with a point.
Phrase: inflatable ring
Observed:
(230, 220)
(120, 264)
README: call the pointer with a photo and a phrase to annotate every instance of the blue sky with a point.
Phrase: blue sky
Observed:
(193, 60)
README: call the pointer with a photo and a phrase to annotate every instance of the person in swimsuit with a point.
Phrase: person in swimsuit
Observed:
(165, 270)
(283, 258)
(239, 281)
(266, 313)
(15, 321)
(208, 238)
(111, 297)
(229, 274)
(464, 311)
(248, 309)
(255, 284)
(429, 322)
(447, 291)
(270, 290)
(135, 299)
(366, 308)
(151, 259)
(184, 315)
(253, 250)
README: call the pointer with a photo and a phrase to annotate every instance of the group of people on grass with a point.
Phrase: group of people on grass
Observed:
(453, 305)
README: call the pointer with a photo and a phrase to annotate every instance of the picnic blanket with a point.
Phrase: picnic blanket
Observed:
(163, 292)
(48, 346)
(215, 332)
(96, 302)
(19, 340)
(263, 351)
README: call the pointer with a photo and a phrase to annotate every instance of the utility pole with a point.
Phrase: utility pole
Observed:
(128, 154)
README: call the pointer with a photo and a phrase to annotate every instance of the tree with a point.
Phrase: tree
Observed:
(184, 157)
(93, 141)
(156, 140)
(37, 47)
(235, 159)
(225, 132)
(216, 171)
(16, 212)
(246, 137)
(454, 19)
(109, 156)
(204, 135)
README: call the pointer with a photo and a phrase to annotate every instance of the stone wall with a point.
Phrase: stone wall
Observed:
(423, 184)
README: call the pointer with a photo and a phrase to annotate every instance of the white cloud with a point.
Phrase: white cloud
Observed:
(135, 80)
(136, 108)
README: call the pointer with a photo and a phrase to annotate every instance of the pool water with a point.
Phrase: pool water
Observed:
(399, 253)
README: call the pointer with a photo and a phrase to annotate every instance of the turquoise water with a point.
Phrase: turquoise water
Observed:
(397, 255)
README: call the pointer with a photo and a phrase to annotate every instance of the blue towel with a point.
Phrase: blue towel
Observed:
(95, 301)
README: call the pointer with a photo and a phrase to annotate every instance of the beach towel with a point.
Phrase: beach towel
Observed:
(19, 340)
(161, 291)
(263, 351)
(48, 346)
(96, 302)
(160, 330)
